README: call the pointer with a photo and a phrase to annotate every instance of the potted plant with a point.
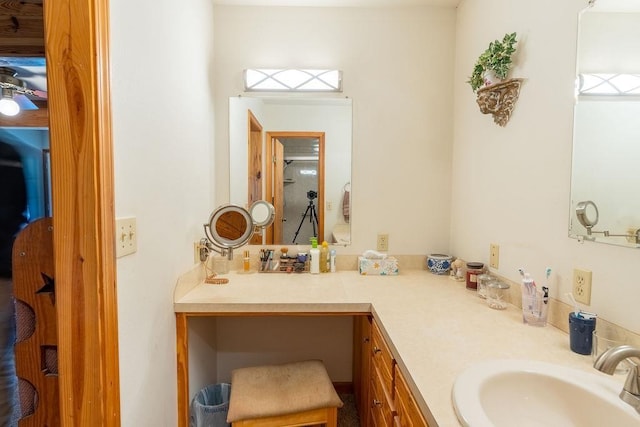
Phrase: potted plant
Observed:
(496, 59)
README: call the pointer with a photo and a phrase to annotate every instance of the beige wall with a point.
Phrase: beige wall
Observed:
(511, 185)
(163, 133)
(397, 65)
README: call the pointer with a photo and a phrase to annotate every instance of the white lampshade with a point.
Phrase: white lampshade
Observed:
(9, 107)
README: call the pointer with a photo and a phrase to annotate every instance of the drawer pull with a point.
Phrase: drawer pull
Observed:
(376, 350)
(376, 403)
(365, 340)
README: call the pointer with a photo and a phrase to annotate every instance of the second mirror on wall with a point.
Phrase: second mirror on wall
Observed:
(296, 154)
(606, 152)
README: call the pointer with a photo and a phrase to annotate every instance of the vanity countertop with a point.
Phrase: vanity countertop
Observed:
(434, 325)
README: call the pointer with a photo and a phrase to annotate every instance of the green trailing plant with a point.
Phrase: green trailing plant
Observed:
(497, 57)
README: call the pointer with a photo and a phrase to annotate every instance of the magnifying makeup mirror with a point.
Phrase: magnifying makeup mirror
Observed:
(262, 213)
(587, 213)
(232, 226)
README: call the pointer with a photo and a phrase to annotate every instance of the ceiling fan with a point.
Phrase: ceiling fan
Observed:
(15, 95)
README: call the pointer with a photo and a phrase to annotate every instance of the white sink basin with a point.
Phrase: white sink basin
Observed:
(527, 393)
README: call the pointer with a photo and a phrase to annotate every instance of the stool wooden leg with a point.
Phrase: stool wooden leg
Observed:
(332, 420)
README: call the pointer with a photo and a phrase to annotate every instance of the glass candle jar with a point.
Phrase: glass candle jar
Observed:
(498, 295)
(483, 280)
(474, 269)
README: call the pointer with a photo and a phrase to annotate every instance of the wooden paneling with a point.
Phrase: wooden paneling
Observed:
(33, 285)
(27, 118)
(21, 28)
(82, 180)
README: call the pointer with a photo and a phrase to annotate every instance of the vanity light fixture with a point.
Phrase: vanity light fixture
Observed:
(608, 84)
(292, 80)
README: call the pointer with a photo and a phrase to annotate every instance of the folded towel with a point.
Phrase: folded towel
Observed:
(346, 211)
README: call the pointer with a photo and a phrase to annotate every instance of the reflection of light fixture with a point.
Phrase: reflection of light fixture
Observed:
(13, 97)
(8, 106)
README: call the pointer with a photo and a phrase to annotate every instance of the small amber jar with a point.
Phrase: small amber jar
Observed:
(474, 269)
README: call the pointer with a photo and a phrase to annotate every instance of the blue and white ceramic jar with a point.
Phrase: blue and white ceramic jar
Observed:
(439, 263)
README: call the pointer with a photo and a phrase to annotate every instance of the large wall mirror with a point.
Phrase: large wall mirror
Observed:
(605, 206)
(294, 152)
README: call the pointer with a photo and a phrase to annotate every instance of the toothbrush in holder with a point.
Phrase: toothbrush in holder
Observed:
(545, 289)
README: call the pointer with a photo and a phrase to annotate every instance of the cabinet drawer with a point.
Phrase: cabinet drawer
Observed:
(382, 358)
(408, 412)
(382, 409)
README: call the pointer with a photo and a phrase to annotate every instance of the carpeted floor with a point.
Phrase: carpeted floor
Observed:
(348, 414)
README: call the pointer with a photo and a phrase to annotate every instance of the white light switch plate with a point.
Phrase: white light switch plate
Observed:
(126, 236)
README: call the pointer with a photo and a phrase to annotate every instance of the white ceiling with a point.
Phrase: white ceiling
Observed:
(339, 3)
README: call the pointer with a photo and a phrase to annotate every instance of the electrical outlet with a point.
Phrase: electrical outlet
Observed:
(200, 251)
(196, 252)
(494, 255)
(582, 286)
(126, 236)
(383, 242)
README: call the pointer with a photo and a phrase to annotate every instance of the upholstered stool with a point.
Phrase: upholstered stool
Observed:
(293, 394)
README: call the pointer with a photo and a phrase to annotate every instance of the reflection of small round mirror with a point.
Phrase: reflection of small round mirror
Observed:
(262, 213)
(230, 227)
(587, 213)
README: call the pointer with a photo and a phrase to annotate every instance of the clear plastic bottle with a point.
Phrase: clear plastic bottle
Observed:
(314, 253)
(324, 257)
(332, 260)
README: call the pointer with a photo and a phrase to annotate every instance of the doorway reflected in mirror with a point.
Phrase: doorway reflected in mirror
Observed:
(314, 136)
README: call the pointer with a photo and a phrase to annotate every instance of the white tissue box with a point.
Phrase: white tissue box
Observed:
(378, 267)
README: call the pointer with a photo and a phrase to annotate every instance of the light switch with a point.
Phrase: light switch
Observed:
(126, 236)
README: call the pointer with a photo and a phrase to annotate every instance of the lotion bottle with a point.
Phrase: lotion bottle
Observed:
(332, 260)
(314, 253)
(324, 257)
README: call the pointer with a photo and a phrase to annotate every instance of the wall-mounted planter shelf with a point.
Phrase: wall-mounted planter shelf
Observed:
(499, 99)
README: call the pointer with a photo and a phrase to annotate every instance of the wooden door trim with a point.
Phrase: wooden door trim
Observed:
(255, 130)
(321, 161)
(77, 53)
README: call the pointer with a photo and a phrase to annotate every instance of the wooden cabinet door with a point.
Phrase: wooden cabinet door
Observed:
(407, 410)
(362, 366)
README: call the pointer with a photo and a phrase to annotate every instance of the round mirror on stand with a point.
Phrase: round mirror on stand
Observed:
(262, 213)
(229, 227)
(587, 213)
(232, 226)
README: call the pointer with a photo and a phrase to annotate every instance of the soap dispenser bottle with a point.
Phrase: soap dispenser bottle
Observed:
(314, 254)
(324, 257)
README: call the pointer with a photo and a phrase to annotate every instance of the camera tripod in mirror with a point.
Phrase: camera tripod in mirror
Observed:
(313, 216)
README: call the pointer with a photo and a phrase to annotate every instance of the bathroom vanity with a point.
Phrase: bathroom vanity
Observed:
(412, 334)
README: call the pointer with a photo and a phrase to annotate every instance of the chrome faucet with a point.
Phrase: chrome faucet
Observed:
(609, 360)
